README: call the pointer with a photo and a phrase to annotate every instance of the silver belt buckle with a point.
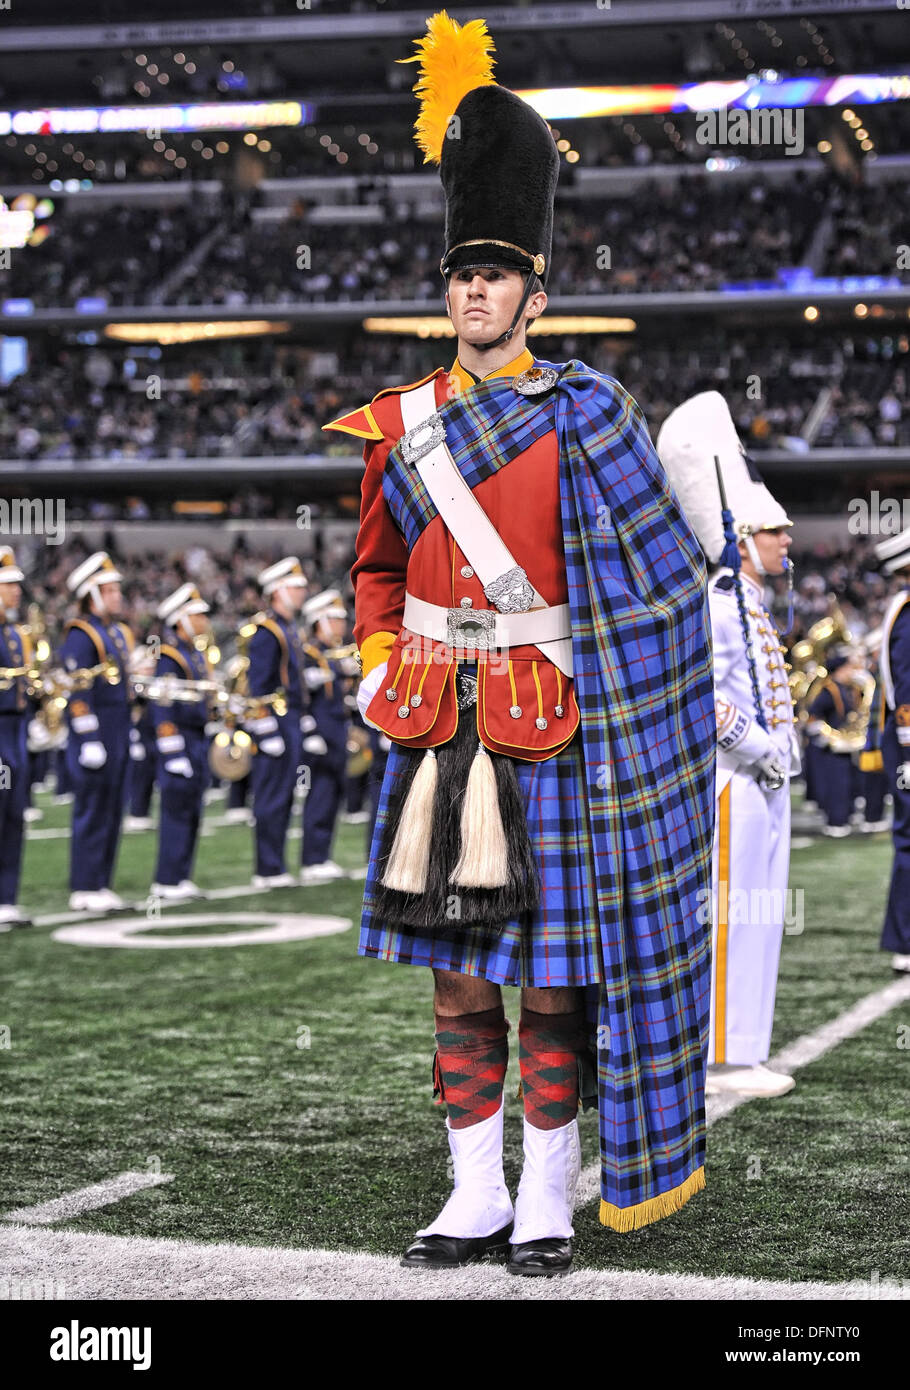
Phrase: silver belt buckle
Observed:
(470, 627)
(420, 439)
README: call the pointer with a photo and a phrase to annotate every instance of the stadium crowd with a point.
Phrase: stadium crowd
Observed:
(697, 234)
(253, 398)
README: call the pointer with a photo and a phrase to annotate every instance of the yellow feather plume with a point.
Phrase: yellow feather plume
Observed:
(454, 59)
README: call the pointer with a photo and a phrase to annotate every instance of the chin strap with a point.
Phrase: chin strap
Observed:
(754, 556)
(786, 567)
(94, 594)
(506, 337)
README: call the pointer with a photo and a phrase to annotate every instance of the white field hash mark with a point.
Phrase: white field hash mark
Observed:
(100, 1194)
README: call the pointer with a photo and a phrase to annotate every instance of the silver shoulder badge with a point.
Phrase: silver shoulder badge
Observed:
(535, 380)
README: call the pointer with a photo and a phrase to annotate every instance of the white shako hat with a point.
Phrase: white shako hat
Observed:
(328, 604)
(894, 553)
(687, 443)
(10, 573)
(183, 601)
(287, 571)
(97, 569)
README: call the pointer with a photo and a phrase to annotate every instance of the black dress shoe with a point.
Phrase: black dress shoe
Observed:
(448, 1252)
(552, 1255)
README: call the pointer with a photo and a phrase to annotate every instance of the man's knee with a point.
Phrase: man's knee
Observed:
(561, 999)
(463, 994)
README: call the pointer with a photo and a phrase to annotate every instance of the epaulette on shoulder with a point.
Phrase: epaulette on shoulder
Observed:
(362, 423)
(725, 584)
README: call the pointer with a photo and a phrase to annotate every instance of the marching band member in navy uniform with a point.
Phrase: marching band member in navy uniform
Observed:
(835, 774)
(140, 780)
(237, 812)
(99, 723)
(15, 712)
(873, 784)
(894, 671)
(529, 600)
(758, 750)
(276, 664)
(329, 681)
(182, 744)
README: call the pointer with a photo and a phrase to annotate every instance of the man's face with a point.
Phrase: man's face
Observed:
(291, 596)
(482, 303)
(331, 630)
(198, 623)
(111, 599)
(772, 547)
(10, 597)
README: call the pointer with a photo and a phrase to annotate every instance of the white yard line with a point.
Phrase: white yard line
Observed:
(100, 1194)
(85, 1266)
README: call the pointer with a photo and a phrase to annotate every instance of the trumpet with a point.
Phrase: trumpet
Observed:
(347, 655)
(170, 690)
(10, 674)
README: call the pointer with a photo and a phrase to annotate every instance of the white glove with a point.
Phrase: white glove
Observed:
(272, 747)
(92, 755)
(137, 752)
(368, 687)
(171, 743)
(771, 771)
(314, 676)
(307, 723)
(179, 767)
(315, 744)
(38, 735)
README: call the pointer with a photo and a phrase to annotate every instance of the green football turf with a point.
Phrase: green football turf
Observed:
(187, 1060)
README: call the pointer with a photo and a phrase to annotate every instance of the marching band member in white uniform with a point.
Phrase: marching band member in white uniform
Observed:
(757, 746)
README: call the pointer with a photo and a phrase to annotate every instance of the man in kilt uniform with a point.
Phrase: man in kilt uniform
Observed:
(531, 617)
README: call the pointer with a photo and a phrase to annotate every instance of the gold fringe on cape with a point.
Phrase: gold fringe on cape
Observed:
(454, 59)
(643, 1213)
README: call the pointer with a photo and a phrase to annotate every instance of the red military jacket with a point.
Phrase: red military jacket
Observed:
(522, 501)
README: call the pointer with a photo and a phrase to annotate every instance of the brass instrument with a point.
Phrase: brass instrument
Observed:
(360, 754)
(808, 654)
(851, 738)
(170, 690)
(231, 749)
(85, 676)
(347, 655)
(10, 674)
(810, 672)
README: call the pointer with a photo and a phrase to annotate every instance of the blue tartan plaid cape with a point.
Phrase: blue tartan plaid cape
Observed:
(643, 676)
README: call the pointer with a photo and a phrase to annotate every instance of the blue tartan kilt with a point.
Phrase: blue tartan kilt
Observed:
(556, 944)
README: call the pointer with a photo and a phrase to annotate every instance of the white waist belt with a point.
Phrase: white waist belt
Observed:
(485, 628)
